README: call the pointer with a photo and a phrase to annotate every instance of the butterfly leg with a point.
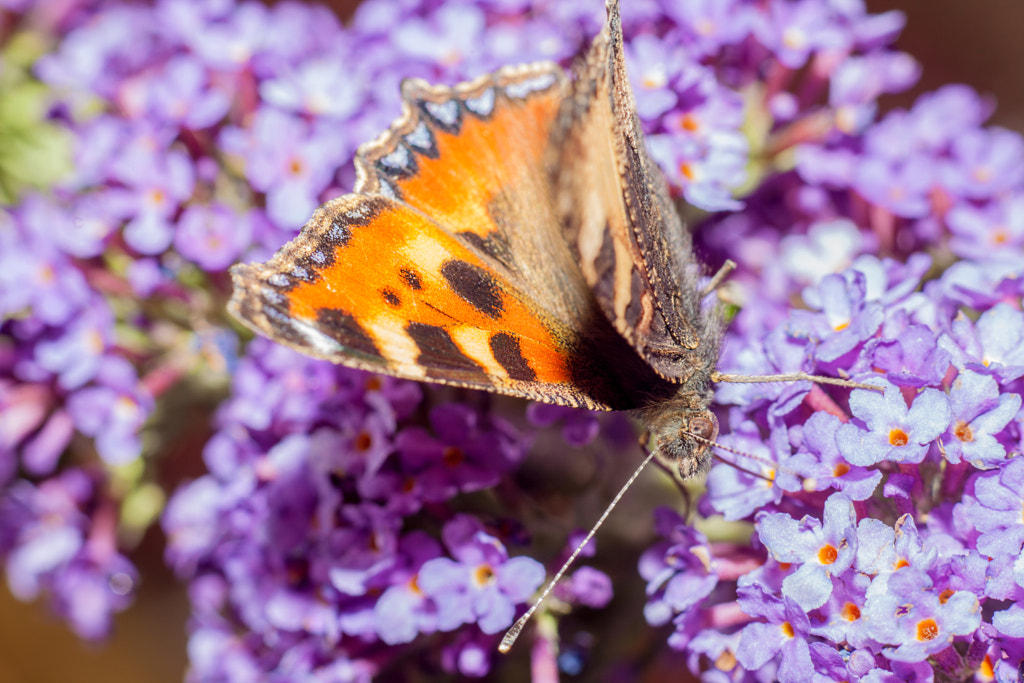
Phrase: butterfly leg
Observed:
(716, 281)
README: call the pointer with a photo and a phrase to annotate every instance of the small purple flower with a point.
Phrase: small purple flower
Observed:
(182, 93)
(212, 236)
(847, 318)
(784, 633)
(979, 412)
(992, 232)
(452, 34)
(579, 427)
(403, 611)
(113, 413)
(912, 618)
(324, 86)
(886, 429)
(679, 571)
(738, 493)
(985, 164)
(651, 67)
(155, 187)
(289, 159)
(823, 549)
(482, 584)
(466, 452)
(818, 460)
(994, 345)
(995, 509)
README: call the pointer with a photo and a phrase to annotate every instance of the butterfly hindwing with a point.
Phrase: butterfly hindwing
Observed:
(448, 263)
(633, 249)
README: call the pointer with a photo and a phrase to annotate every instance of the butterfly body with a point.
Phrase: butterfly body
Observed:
(509, 234)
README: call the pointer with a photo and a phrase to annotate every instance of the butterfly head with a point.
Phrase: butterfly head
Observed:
(682, 433)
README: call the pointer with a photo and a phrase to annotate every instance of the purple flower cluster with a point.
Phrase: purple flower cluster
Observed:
(299, 533)
(348, 519)
(886, 530)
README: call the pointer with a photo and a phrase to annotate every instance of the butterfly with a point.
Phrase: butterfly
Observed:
(509, 234)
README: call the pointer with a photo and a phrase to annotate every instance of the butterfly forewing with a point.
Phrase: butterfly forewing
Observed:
(448, 263)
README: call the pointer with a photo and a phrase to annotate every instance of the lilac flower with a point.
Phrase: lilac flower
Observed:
(994, 345)
(578, 429)
(156, 185)
(979, 412)
(783, 634)
(678, 571)
(891, 430)
(818, 460)
(915, 620)
(823, 548)
(482, 584)
(847, 318)
(995, 509)
(284, 158)
(652, 68)
(319, 87)
(213, 237)
(182, 93)
(465, 455)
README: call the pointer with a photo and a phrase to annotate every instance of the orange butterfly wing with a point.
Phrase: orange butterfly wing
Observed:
(448, 263)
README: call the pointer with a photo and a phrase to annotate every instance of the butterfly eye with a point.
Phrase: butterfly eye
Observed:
(705, 427)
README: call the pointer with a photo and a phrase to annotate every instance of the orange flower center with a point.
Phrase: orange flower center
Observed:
(363, 442)
(851, 612)
(827, 554)
(787, 629)
(483, 575)
(963, 431)
(927, 629)
(898, 437)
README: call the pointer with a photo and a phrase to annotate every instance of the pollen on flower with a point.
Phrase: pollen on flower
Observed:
(999, 236)
(963, 432)
(927, 629)
(840, 469)
(898, 437)
(900, 564)
(295, 166)
(414, 585)
(688, 171)
(787, 629)
(851, 612)
(483, 575)
(689, 123)
(841, 326)
(827, 554)
(945, 595)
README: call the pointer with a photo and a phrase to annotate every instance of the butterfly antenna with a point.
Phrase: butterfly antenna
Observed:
(793, 377)
(743, 454)
(510, 636)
